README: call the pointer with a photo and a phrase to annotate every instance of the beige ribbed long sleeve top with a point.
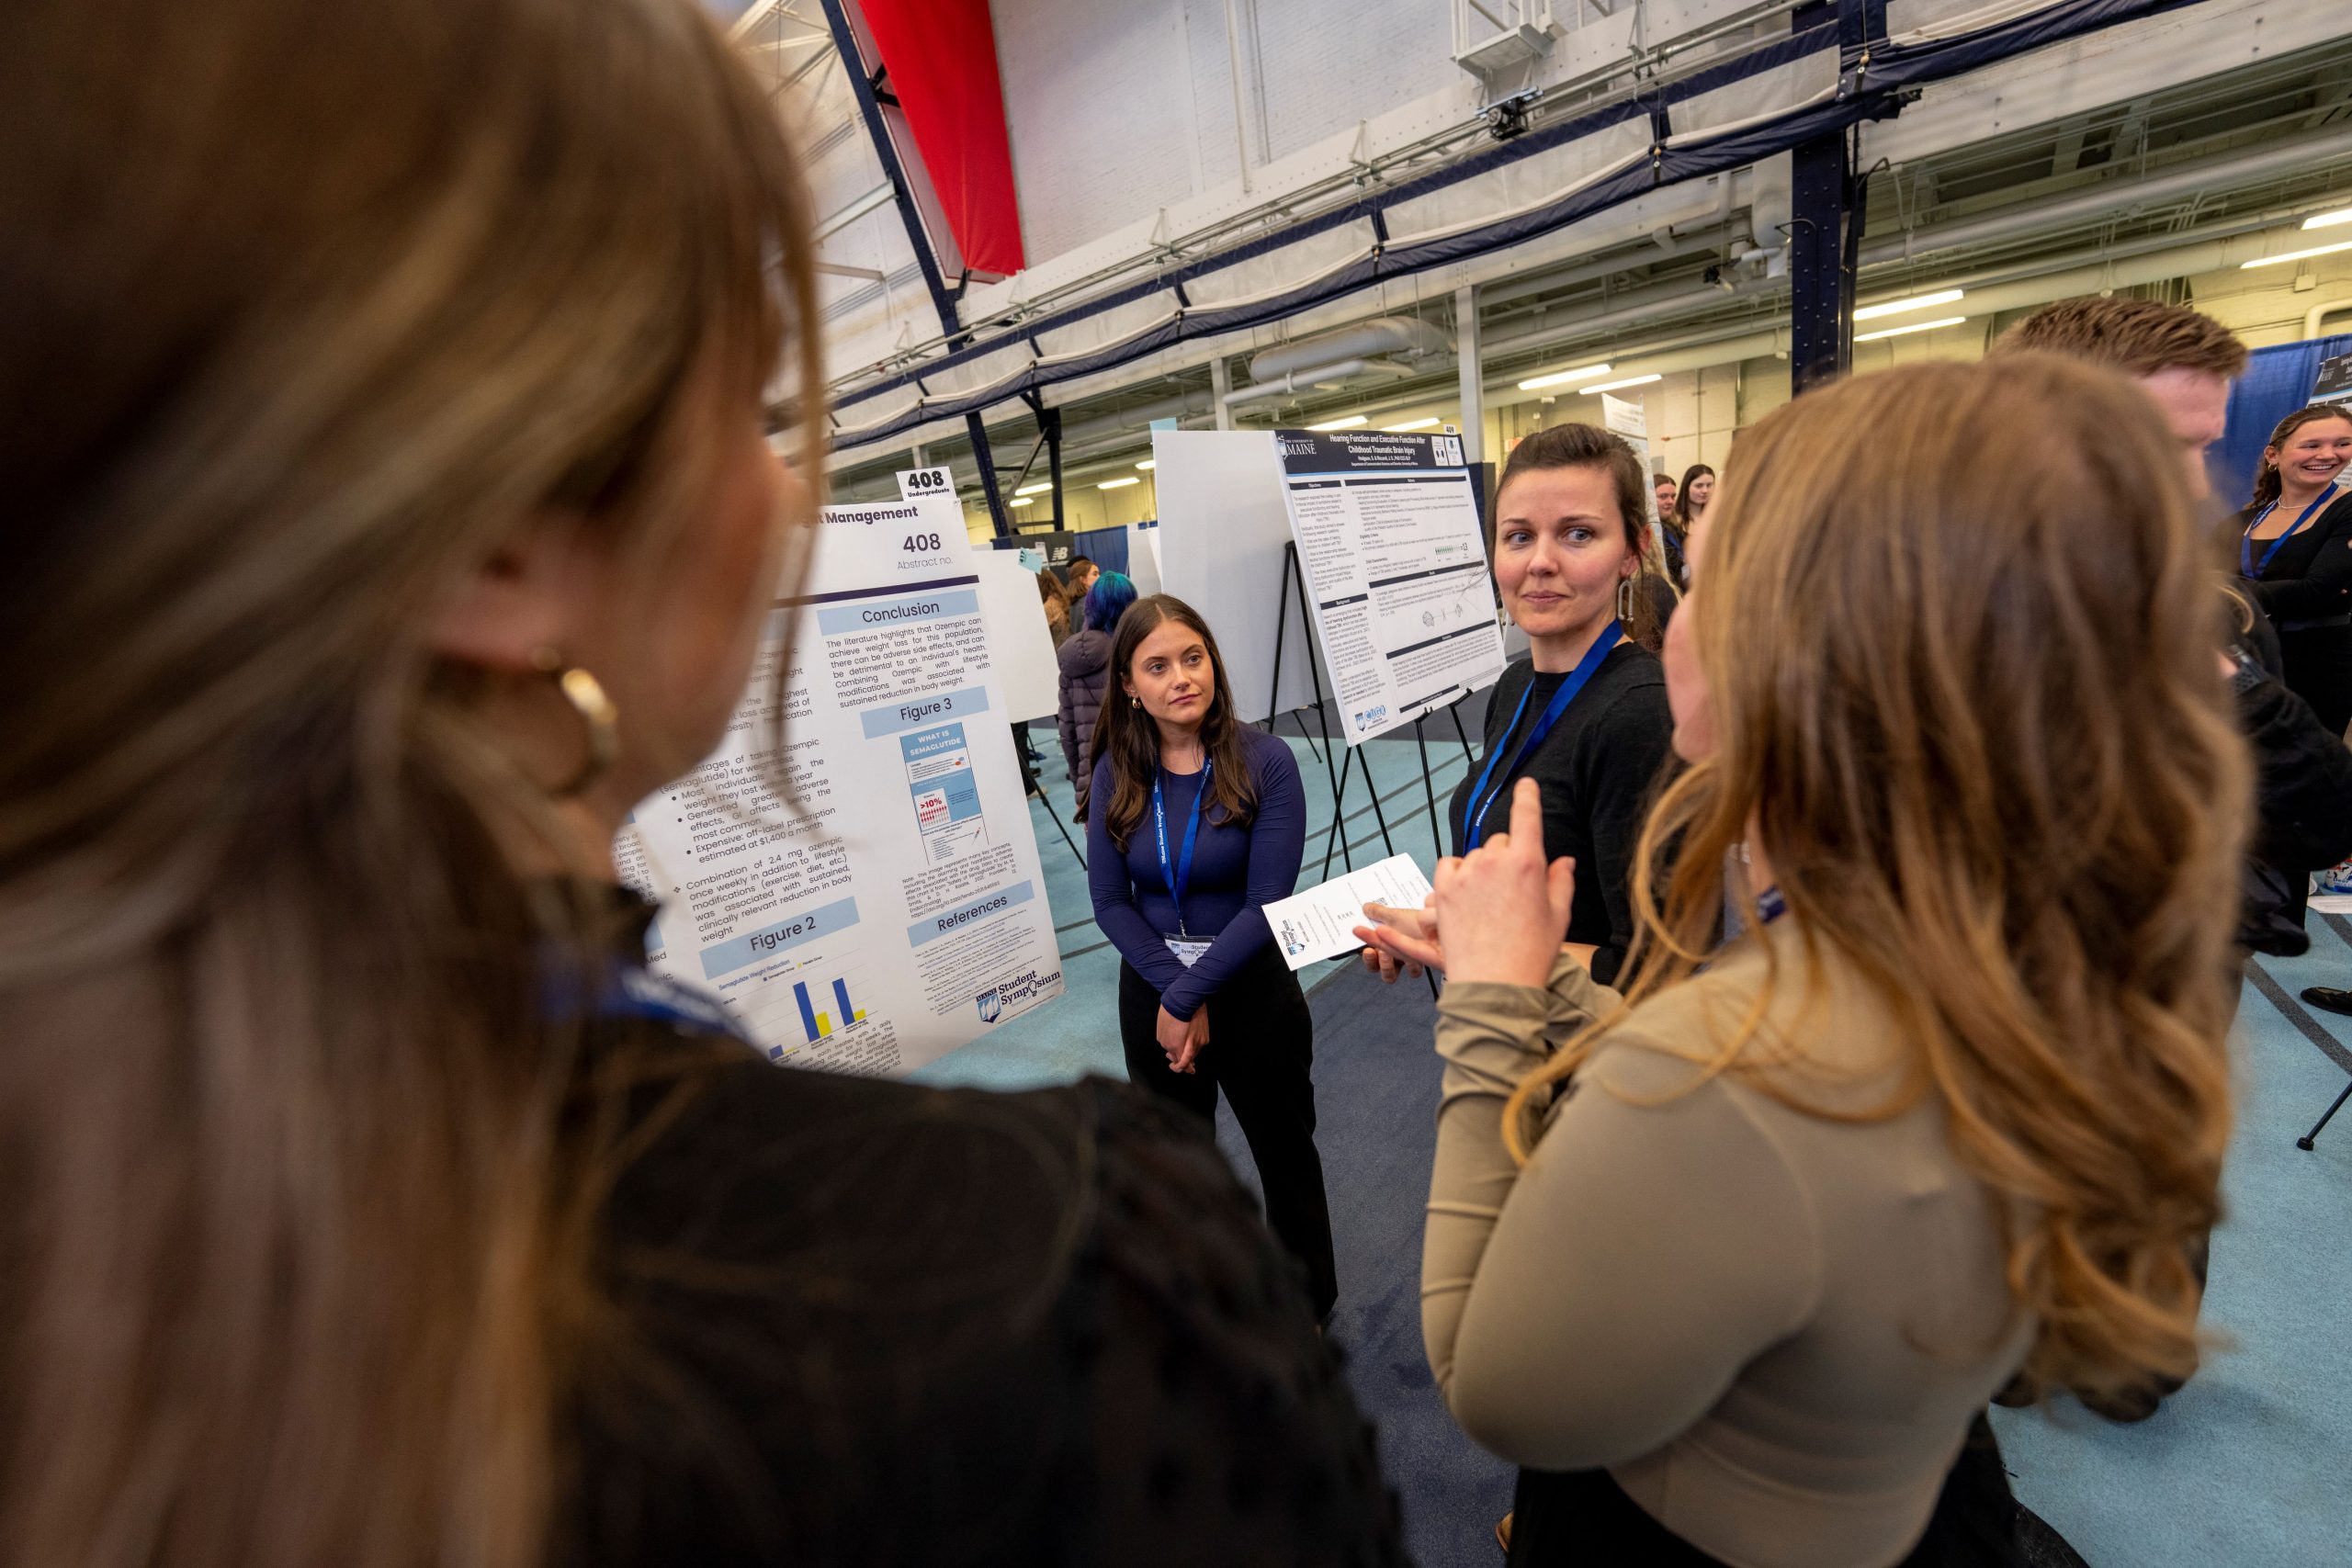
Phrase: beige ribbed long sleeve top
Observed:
(1772, 1328)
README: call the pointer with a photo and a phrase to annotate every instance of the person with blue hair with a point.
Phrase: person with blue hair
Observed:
(1086, 675)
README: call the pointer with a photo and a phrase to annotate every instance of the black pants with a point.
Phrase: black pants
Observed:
(1261, 1054)
(1583, 1519)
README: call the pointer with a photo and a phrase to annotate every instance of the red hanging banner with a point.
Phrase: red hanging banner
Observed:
(939, 57)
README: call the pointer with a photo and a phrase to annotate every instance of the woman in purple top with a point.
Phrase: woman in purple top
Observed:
(1196, 823)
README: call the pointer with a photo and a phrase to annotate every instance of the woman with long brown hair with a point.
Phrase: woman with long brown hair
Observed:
(1692, 499)
(1195, 822)
(391, 511)
(2295, 554)
(1951, 1109)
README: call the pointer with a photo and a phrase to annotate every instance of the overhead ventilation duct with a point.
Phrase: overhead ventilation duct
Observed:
(1317, 377)
(1381, 335)
(1328, 360)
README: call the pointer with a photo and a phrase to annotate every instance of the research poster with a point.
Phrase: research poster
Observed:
(1387, 530)
(2333, 383)
(887, 906)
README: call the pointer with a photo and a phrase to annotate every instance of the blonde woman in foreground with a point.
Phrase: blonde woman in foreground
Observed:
(1954, 1107)
(392, 508)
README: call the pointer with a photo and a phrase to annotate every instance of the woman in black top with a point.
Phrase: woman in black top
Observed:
(1691, 498)
(1585, 714)
(371, 554)
(2295, 551)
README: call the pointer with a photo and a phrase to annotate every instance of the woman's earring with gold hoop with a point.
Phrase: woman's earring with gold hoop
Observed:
(598, 719)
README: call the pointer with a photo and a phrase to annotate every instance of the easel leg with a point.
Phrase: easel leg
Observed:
(1372, 788)
(1059, 826)
(1294, 581)
(1429, 786)
(1469, 759)
(1339, 797)
(2306, 1140)
(1295, 575)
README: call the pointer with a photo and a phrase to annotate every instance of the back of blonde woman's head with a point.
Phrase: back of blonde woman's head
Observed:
(1982, 735)
(305, 311)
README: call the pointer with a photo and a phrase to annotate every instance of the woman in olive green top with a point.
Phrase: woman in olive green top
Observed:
(1952, 1107)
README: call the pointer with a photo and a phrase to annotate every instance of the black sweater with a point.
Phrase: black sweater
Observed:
(2311, 577)
(862, 1321)
(1597, 768)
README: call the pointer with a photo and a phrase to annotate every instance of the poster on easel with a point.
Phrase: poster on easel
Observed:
(1389, 536)
(2334, 384)
(886, 906)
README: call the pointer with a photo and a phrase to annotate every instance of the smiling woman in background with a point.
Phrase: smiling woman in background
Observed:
(2295, 553)
(1194, 823)
(391, 511)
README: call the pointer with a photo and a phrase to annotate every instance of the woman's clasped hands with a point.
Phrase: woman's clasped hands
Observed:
(1497, 914)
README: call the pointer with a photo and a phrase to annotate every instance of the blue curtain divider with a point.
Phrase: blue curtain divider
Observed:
(2277, 382)
(1106, 548)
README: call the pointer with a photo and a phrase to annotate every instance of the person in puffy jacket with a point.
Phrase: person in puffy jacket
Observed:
(1086, 675)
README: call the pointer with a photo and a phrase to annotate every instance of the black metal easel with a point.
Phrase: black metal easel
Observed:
(1295, 579)
(1470, 757)
(1031, 785)
(2308, 1138)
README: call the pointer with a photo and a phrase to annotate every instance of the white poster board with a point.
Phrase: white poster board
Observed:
(1387, 529)
(1018, 639)
(1143, 558)
(1223, 529)
(893, 908)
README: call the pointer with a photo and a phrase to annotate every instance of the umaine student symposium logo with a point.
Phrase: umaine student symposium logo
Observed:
(1372, 715)
(991, 1008)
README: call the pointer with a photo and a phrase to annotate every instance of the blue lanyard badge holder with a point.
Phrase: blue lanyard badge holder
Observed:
(1187, 949)
(2251, 570)
(1482, 799)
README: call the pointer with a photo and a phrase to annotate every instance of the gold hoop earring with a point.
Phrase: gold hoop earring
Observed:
(598, 719)
(1135, 702)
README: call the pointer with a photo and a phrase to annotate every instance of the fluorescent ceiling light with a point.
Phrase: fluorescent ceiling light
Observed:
(1562, 378)
(1348, 423)
(2299, 256)
(2329, 219)
(1916, 303)
(1034, 489)
(1025, 500)
(1409, 424)
(1905, 331)
(1149, 462)
(1114, 484)
(1628, 381)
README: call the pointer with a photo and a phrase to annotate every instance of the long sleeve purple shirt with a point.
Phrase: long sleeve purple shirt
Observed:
(1235, 872)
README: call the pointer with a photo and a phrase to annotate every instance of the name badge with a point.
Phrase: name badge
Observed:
(1188, 951)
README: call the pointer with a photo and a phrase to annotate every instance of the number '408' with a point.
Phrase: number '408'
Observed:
(921, 542)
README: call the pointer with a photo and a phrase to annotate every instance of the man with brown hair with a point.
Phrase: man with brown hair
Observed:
(2183, 360)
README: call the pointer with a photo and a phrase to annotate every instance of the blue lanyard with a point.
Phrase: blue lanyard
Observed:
(2246, 566)
(1181, 871)
(1482, 800)
(1771, 906)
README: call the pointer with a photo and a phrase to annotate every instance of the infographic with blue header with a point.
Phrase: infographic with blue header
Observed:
(853, 873)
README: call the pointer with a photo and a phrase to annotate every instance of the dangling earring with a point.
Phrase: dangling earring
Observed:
(1625, 601)
(598, 718)
(1135, 702)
